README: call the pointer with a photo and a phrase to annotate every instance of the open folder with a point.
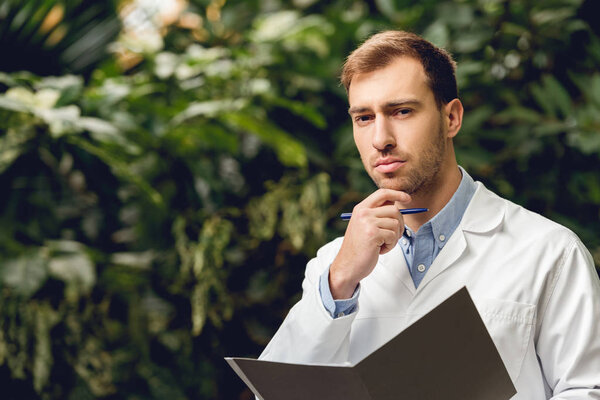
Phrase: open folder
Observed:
(456, 359)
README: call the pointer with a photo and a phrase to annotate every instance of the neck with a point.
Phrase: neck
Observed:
(435, 196)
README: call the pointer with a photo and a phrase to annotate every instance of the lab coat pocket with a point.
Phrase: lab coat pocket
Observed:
(510, 326)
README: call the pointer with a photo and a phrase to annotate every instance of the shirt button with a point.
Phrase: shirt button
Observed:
(420, 268)
(404, 242)
(442, 238)
(340, 314)
(408, 233)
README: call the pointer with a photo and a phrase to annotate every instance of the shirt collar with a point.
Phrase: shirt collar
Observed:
(445, 222)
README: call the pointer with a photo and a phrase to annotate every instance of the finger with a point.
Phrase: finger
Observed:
(381, 196)
(370, 215)
(388, 211)
(389, 240)
(390, 224)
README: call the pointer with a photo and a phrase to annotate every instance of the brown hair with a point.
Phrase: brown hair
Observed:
(383, 48)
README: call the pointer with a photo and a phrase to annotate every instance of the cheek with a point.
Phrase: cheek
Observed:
(361, 141)
(423, 134)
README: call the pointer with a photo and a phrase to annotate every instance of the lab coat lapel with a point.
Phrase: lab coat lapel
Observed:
(484, 213)
(394, 264)
(447, 256)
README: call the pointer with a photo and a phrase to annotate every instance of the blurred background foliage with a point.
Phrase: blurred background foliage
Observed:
(170, 166)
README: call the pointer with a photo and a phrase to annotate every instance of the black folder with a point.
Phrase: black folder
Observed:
(456, 360)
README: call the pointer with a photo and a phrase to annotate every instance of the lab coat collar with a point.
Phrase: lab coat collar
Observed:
(484, 213)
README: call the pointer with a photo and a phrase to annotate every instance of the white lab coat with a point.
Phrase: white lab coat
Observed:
(532, 280)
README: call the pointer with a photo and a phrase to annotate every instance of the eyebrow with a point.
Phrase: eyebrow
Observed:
(389, 104)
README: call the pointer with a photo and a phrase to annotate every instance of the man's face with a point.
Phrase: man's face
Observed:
(398, 128)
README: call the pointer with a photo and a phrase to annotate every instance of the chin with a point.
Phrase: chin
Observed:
(394, 183)
(402, 184)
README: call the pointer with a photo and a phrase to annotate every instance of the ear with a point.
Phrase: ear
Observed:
(454, 114)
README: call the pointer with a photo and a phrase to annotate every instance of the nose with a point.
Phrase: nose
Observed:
(383, 136)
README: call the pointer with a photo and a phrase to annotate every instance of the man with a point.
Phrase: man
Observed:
(531, 279)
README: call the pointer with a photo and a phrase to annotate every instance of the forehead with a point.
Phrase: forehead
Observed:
(403, 78)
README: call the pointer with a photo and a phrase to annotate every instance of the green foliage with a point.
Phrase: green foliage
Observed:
(63, 35)
(158, 219)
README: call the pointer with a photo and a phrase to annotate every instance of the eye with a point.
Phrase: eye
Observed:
(403, 111)
(363, 119)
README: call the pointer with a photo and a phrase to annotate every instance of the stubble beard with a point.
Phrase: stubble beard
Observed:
(420, 176)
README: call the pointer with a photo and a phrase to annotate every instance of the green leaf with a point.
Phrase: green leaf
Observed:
(76, 270)
(107, 133)
(550, 128)
(12, 145)
(519, 114)
(136, 260)
(552, 97)
(199, 305)
(262, 216)
(511, 28)
(290, 151)
(590, 86)
(61, 121)
(274, 26)
(162, 382)
(293, 224)
(303, 110)
(470, 42)
(119, 168)
(26, 274)
(586, 142)
(559, 95)
(46, 318)
(554, 15)
(387, 8)
(11, 104)
(21, 96)
(437, 33)
(98, 127)
(70, 88)
(7, 79)
(209, 109)
(214, 237)
(473, 121)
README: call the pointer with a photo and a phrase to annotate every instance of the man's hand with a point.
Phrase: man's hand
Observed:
(374, 229)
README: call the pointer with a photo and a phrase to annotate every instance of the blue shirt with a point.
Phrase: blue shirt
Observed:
(419, 248)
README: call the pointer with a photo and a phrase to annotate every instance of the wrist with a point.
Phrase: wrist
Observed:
(340, 285)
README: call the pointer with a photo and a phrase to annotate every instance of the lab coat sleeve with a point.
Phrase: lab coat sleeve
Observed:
(568, 344)
(309, 334)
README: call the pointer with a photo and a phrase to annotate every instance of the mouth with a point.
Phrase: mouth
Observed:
(387, 165)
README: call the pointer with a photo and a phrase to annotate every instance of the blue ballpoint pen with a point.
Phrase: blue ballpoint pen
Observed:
(346, 216)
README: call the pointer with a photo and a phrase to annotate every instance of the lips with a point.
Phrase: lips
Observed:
(387, 165)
